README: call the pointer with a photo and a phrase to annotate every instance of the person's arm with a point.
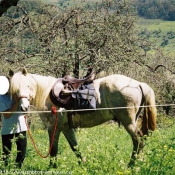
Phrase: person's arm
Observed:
(12, 109)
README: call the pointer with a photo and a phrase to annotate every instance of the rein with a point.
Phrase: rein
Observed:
(54, 111)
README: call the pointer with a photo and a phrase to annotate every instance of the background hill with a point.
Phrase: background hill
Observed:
(156, 9)
(149, 9)
(161, 32)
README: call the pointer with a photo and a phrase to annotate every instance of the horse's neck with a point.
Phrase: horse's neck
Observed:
(44, 85)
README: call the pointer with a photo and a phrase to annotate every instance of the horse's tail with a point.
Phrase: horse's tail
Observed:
(150, 111)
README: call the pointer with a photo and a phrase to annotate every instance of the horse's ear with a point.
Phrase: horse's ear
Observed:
(11, 73)
(24, 71)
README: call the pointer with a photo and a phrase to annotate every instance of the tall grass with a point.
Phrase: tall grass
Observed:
(107, 149)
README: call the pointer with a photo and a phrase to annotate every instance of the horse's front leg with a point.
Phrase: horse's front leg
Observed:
(54, 146)
(71, 138)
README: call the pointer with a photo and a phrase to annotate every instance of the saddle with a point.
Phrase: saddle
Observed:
(74, 93)
(75, 83)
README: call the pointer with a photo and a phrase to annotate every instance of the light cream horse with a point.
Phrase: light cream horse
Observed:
(123, 95)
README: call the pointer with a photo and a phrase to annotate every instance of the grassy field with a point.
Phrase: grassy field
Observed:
(107, 149)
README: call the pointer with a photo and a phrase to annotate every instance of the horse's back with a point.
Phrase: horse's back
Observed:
(118, 90)
(116, 82)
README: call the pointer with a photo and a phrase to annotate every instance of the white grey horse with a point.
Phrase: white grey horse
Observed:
(123, 95)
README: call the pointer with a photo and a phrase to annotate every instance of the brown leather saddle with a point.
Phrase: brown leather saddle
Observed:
(61, 96)
(74, 83)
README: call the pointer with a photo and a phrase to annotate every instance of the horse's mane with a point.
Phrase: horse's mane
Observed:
(41, 85)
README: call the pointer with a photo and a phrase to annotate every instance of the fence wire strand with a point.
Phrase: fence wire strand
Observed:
(62, 110)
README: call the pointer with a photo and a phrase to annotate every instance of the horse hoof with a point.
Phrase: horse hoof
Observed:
(82, 160)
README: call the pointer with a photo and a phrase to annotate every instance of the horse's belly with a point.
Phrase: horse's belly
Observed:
(91, 119)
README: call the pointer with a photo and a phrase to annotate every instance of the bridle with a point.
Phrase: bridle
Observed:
(23, 96)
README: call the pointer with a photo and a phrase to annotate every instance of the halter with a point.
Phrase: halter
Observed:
(22, 96)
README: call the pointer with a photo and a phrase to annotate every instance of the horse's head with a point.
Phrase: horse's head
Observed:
(22, 85)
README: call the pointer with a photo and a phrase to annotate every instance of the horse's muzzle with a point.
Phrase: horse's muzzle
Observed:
(24, 108)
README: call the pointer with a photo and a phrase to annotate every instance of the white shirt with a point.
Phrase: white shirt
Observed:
(16, 123)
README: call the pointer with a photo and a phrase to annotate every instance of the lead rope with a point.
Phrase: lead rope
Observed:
(54, 111)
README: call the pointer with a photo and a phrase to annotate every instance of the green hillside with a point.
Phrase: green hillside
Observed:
(160, 32)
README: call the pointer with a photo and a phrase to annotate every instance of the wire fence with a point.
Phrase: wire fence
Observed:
(163, 120)
(62, 110)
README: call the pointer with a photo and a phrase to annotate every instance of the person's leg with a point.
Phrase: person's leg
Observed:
(6, 147)
(21, 143)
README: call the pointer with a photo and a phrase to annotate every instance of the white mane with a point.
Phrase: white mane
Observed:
(41, 85)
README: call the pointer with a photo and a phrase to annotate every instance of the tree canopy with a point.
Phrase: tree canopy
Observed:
(51, 40)
(64, 41)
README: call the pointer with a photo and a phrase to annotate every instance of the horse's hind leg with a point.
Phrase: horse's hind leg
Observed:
(54, 149)
(71, 138)
(137, 142)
